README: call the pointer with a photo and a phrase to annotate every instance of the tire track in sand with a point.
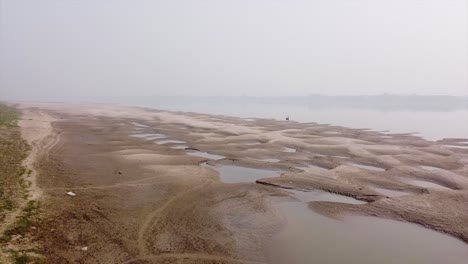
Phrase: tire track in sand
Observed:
(149, 220)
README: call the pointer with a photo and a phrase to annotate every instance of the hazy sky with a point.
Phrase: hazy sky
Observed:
(64, 48)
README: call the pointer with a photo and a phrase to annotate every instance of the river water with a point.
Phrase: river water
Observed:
(309, 237)
(433, 117)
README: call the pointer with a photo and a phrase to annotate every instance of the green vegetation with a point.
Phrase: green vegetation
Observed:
(23, 222)
(6, 204)
(13, 187)
(24, 257)
(13, 150)
(21, 259)
(8, 116)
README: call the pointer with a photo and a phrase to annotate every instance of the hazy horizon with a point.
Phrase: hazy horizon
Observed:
(60, 50)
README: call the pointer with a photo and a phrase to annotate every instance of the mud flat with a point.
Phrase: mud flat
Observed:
(140, 201)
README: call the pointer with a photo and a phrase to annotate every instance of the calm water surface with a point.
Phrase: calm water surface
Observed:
(433, 118)
(309, 237)
(233, 174)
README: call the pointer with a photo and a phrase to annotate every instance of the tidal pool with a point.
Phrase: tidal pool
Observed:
(233, 174)
(309, 237)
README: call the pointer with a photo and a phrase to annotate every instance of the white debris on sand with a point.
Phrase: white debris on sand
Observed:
(72, 194)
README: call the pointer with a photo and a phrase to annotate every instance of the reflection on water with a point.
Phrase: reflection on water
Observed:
(232, 174)
(309, 237)
(316, 195)
(433, 117)
(398, 114)
(205, 155)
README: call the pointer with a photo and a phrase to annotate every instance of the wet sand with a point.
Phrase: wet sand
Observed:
(140, 201)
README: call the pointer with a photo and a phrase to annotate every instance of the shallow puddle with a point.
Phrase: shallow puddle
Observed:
(289, 150)
(456, 146)
(341, 157)
(309, 237)
(312, 167)
(179, 147)
(205, 155)
(270, 160)
(140, 125)
(332, 132)
(367, 167)
(233, 174)
(316, 195)
(390, 193)
(158, 136)
(169, 141)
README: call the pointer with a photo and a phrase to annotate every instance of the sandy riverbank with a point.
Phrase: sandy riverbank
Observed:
(141, 202)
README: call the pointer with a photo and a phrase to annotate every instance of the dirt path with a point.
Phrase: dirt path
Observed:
(39, 136)
(36, 129)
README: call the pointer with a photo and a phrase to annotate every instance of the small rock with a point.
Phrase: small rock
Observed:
(72, 194)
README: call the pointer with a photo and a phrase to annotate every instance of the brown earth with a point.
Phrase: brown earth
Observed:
(140, 202)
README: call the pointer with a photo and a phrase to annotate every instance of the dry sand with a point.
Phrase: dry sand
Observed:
(140, 202)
